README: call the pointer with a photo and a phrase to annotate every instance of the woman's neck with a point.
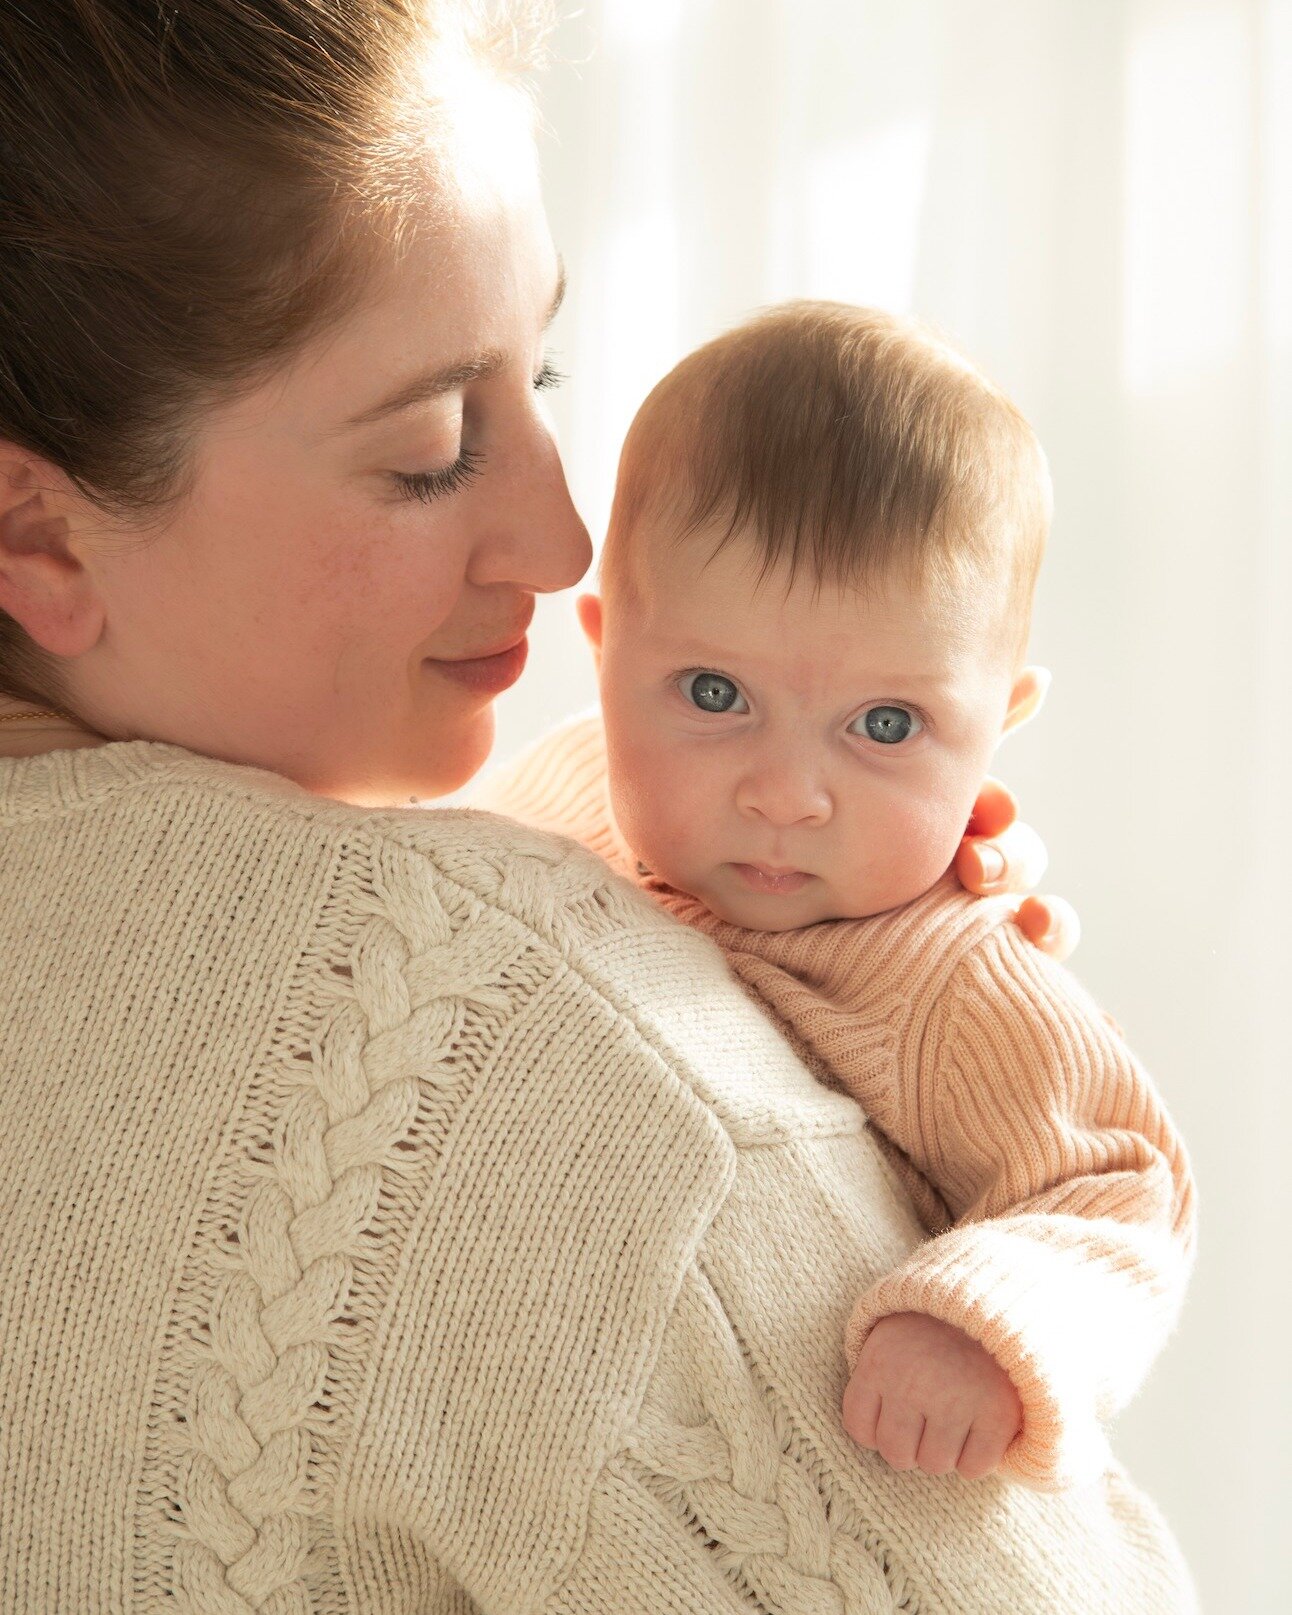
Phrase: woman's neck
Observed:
(30, 736)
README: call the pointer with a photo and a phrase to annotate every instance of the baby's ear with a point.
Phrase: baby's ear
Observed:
(588, 610)
(1027, 697)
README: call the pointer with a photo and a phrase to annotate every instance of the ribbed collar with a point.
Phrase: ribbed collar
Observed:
(52, 781)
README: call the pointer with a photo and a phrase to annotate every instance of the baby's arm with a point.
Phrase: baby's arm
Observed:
(1064, 1270)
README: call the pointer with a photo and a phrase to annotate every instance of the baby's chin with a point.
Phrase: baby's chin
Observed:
(781, 911)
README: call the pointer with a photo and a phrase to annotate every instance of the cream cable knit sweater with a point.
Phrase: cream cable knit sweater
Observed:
(398, 1213)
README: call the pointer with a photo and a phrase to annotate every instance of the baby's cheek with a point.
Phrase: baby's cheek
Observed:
(911, 850)
(662, 809)
(679, 839)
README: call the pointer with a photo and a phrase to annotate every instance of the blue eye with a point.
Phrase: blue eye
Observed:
(890, 725)
(711, 692)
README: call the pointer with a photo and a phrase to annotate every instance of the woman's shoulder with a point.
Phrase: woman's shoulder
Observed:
(454, 893)
(216, 828)
(656, 980)
(128, 778)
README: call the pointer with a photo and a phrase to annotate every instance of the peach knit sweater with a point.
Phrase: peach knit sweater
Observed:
(1055, 1192)
(402, 1215)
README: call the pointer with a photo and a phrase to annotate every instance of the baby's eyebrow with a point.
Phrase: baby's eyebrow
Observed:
(701, 654)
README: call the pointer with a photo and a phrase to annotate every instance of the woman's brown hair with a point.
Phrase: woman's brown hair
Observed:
(188, 190)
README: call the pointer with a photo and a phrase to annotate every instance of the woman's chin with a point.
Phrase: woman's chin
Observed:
(459, 758)
(449, 762)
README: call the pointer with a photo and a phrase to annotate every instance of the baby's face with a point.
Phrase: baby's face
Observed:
(792, 758)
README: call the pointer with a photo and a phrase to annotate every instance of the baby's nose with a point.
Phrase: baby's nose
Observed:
(784, 797)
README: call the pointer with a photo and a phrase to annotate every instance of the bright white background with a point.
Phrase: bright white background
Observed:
(1094, 198)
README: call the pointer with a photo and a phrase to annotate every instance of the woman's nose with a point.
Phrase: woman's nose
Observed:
(534, 537)
(784, 795)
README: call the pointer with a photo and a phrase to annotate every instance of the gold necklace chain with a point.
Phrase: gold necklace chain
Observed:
(13, 717)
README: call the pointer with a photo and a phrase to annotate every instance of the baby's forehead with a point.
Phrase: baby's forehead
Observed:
(824, 657)
(812, 619)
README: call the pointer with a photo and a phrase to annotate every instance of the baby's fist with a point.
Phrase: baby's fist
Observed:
(925, 1394)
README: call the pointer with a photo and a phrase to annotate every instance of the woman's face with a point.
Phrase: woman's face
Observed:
(303, 609)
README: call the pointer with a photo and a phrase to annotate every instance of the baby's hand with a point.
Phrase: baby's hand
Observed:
(927, 1395)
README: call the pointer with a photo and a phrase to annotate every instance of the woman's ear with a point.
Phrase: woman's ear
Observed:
(44, 585)
(588, 609)
(1027, 697)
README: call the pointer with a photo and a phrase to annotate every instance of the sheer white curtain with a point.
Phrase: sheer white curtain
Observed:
(1095, 199)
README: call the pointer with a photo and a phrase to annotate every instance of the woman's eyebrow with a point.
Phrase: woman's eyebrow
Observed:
(432, 384)
(435, 383)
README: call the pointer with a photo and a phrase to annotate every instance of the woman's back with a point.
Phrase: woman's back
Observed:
(400, 1214)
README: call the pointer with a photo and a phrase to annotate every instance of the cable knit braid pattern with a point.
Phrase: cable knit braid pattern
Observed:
(322, 1173)
(714, 1447)
(722, 1454)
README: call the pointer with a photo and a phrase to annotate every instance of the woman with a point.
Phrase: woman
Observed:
(397, 1213)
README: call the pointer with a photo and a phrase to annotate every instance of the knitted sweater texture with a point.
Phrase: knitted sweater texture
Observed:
(1038, 1155)
(401, 1215)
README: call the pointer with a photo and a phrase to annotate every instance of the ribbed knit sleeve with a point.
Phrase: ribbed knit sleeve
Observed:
(1072, 1198)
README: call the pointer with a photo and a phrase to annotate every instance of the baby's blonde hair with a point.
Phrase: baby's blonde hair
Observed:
(851, 444)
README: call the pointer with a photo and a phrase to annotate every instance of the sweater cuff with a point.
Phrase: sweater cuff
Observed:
(1001, 1290)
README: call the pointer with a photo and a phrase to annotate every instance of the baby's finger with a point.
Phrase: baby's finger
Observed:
(898, 1434)
(982, 1451)
(861, 1404)
(1050, 923)
(1013, 861)
(940, 1447)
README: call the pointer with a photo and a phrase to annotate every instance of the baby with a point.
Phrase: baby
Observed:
(816, 593)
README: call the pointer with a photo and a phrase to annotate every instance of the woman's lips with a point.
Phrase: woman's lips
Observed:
(487, 675)
(759, 878)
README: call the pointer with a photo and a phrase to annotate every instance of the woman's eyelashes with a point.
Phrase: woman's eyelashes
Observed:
(885, 723)
(549, 376)
(428, 485)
